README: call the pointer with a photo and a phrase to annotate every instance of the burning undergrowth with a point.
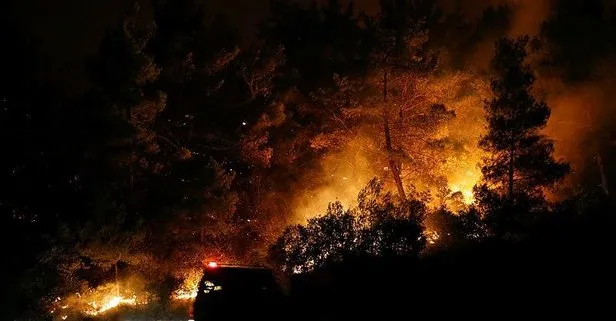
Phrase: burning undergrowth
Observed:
(126, 294)
(133, 295)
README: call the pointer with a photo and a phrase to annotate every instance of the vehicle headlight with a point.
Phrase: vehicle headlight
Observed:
(209, 286)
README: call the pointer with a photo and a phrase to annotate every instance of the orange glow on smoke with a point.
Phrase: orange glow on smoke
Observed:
(343, 174)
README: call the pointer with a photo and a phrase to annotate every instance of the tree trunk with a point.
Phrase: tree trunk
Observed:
(393, 165)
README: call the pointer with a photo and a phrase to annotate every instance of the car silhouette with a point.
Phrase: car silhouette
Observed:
(235, 292)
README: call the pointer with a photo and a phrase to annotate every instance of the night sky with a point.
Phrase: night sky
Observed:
(67, 31)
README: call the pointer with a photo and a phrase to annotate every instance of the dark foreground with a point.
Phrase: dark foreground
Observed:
(564, 271)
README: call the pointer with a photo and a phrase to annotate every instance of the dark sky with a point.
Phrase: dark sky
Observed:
(67, 31)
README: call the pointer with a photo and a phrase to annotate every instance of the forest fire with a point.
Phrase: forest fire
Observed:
(99, 301)
(332, 134)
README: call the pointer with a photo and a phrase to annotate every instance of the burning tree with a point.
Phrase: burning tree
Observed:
(396, 104)
(521, 164)
(399, 59)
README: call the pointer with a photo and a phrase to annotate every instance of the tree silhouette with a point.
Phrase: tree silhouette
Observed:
(123, 74)
(521, 164)
(451, 229)
(380, 226)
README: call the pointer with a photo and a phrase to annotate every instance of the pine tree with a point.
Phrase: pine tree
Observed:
(399, 58)
(522, 163)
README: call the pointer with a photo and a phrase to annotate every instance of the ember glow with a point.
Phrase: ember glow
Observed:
(432, 236)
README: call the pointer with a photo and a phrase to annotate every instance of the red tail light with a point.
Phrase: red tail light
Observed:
(212, 265)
